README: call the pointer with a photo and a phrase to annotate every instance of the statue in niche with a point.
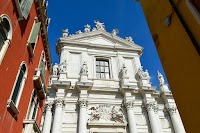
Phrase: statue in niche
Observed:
(65, 33)
(99, 26)
(55, 70)
(84, 69)
(63, 67)
(124, 71)
(161, 78)
(115, 32)
(87, 28)
(78, 32)
(130, 39)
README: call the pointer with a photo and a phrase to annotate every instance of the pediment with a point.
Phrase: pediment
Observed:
(101, 38)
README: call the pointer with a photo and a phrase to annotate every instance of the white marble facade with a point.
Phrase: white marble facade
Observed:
(99, 86)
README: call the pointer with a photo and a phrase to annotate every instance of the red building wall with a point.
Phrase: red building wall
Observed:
(9, 67)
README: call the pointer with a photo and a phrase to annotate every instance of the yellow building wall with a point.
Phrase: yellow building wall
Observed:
(179, 57)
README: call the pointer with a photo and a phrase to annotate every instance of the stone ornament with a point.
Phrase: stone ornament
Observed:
(107, 113)
(83, 103)
(63, 67)
(65, 33)
(99, 26)
(161, 78)
(172, 110)
(84, 69)
(87, 28)
(115, 32)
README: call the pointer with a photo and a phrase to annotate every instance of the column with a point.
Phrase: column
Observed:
(131, 117)
(158, 120)
(57, 122)
(152, 117)
(82, 125)
(178, 127)
(48, 118)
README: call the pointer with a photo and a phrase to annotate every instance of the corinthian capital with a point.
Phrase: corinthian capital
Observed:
(48, 106)
(150, 106)
(128, 104)
(59, 103)
(82, 103)
(172, 110)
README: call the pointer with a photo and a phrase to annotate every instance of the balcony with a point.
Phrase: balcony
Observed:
(31, 126)
(39, 83)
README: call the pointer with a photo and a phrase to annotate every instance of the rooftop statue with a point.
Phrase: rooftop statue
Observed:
(144, 75)
(99, 26)
(87, 28)
(130, 39)
(65, 33)
(78, 32)
(161, 78)
(115, 32)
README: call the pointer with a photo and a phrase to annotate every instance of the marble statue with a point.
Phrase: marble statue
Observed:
(161, 78)
(99, 26)
(65, 33)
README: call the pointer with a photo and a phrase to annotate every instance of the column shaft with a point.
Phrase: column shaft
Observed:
(82, 125)
(47, 121)
(57, 122)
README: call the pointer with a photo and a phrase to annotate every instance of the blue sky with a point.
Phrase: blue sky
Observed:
(125, 15)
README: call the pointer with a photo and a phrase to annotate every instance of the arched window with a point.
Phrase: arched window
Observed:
(13, 102)
(19, 84)
(5, 34)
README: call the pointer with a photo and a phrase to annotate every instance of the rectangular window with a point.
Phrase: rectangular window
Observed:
(102, 69)
(33, 107)
(26, 7)
(33, 37)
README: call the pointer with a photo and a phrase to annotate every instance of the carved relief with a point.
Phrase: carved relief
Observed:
(107, 113)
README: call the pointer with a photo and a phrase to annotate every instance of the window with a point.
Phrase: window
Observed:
(102, 69)
(23, 8)
(13, 102)
(33, 37)
(5, 34)
(19, 84)
(42, 66)
(194, 6)
(33, 107)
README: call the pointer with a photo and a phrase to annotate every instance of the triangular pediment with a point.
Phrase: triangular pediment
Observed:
(101, 38)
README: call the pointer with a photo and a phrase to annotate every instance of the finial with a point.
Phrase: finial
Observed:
(65, 33)
(115, 32)
(161, 78)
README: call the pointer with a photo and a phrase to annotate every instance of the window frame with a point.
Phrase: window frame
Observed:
(16, 104)
(109, 67)
(9, 37)
(193, 10)
(43, 55)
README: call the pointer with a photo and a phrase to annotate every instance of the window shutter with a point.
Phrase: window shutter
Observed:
(26, 7)
(34, 34)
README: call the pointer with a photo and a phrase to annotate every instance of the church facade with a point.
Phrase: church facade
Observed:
(99, 86)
